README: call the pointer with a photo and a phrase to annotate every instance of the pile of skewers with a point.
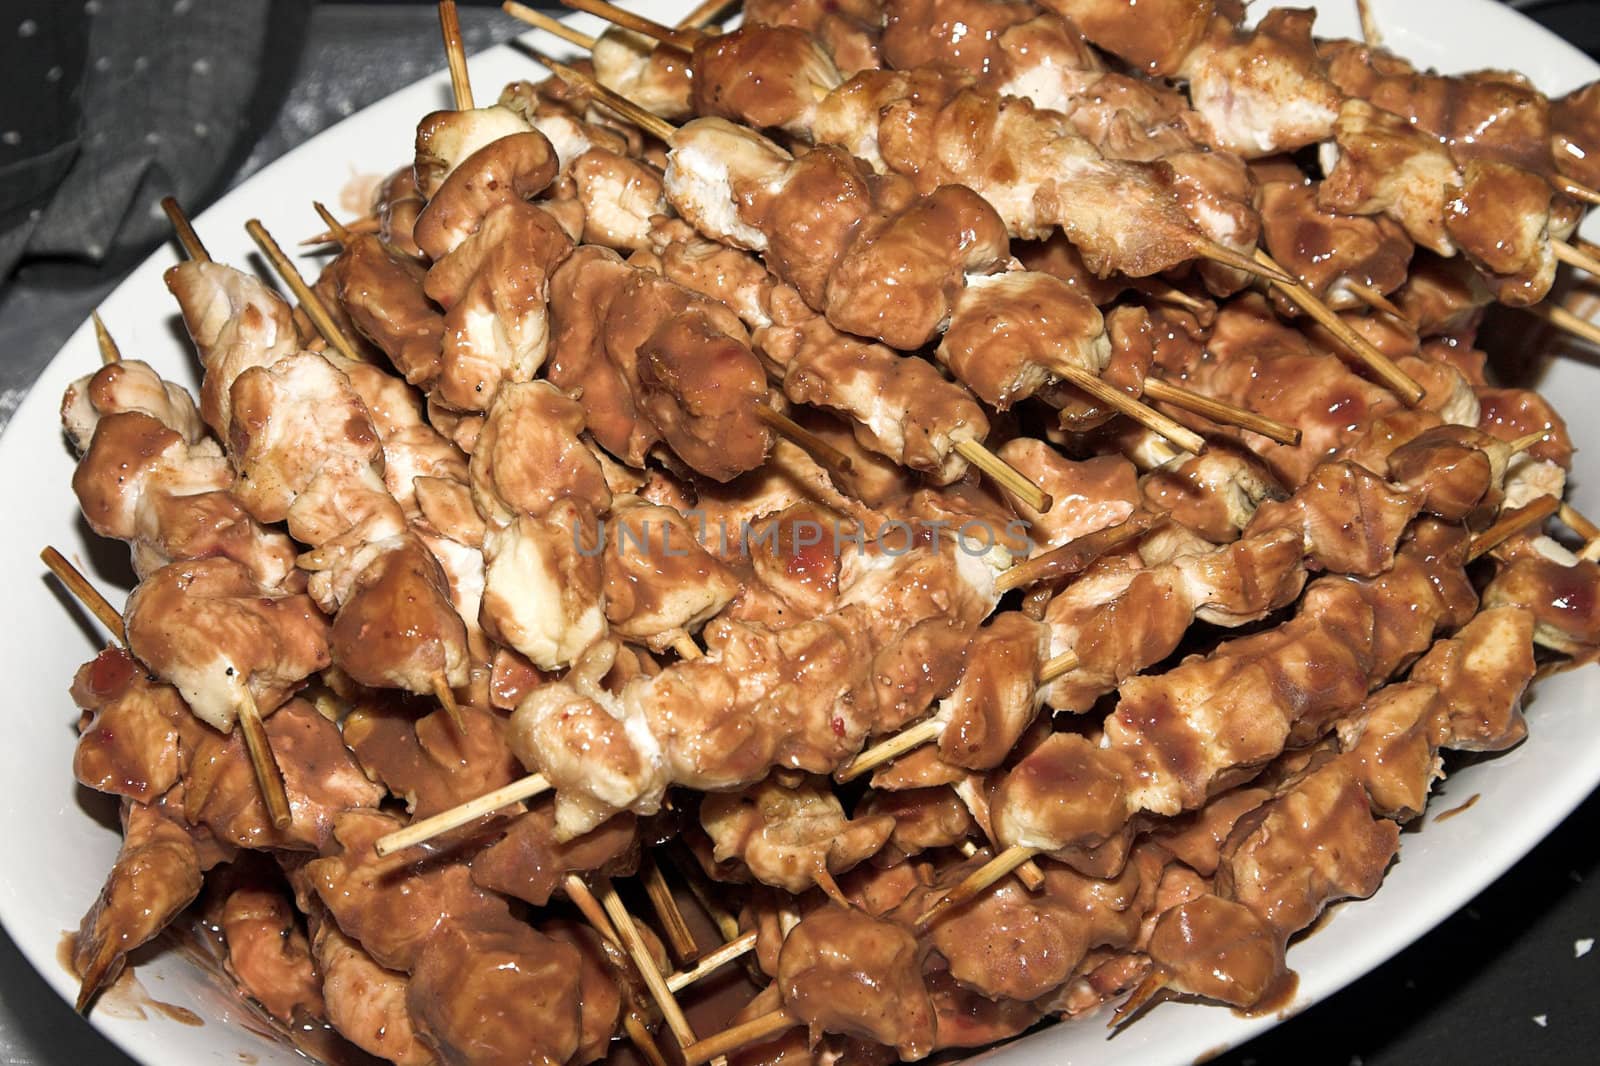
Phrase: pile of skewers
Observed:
(955, 495)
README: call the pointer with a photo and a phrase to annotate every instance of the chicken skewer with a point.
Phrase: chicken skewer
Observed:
(851, 125)
(269, 777)
(1313, 511)
(965, 444)
(1015, 854)
(324, 321)
(365, 552)
(175, 510)
(1065, 366)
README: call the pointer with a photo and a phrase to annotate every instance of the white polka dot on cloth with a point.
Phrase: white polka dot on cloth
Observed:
(11, 137)
(181, 7)
(27, 28)
(54, 74)
(91, 7)
(202, 66)
(103, 63)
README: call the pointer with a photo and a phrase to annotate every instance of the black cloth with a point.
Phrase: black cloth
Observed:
(112, 104)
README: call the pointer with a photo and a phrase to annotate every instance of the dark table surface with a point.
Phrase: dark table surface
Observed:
(1508, 979)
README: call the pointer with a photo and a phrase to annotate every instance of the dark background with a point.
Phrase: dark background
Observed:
(1499, 982)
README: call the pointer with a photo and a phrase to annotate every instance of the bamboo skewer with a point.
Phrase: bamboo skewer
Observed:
(640, 953)
(340, 231)
(553, 26)
(1574, 257)
(455, 52)
(1392, 377)
(1123, 404)
(578, 892)
(1370, 34)
(683, 38)
(1218, 411)
(975, 882)
(269, 775)
(679, 937)
(735, 1037)
(465, 814)
(1007, 476)
(109, 352)
(1510, 524)
(447, 699)
(713, 961)
(702, 15)
(929, 729)
(1566, 321)
(820, 450)
(354, 228)
(74, 581)
(1577, 191)
(315, 309)
(187, 237)
(700, 886)
(1376, 300)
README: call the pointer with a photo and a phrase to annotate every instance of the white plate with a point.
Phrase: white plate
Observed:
(57, 853)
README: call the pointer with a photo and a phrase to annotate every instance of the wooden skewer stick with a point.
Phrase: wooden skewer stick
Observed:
(1261, 266)
(455, 53)
(686, 648)
(85, 593)
(929, 729)
(187, 237)
(1573, 257)
(820, 450)
(590, 908)
(353, 228)
(735, 1037)
(1167, 293)
(1007, 476)
(679, 937)
(651, 123)
(1527, 440)
(1566, 321)
(1575, 521)
(975, 882)
(713, 961)
(456, 817)
(1515, 522)
(886, 751)
(640, 953)
(1373, 298)
(1218, 411)
(1122, 403)
(1370, 34)
(689, 870)
(1074, 556)
(684, 39)
(309, 300)
(447, 699)
(269, 775)
(340, 231)
(703, 13)
(1577, 191)
(1586, 246)
(109, 352)
(554, 26)
(1393, 378)
(1148, 989)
